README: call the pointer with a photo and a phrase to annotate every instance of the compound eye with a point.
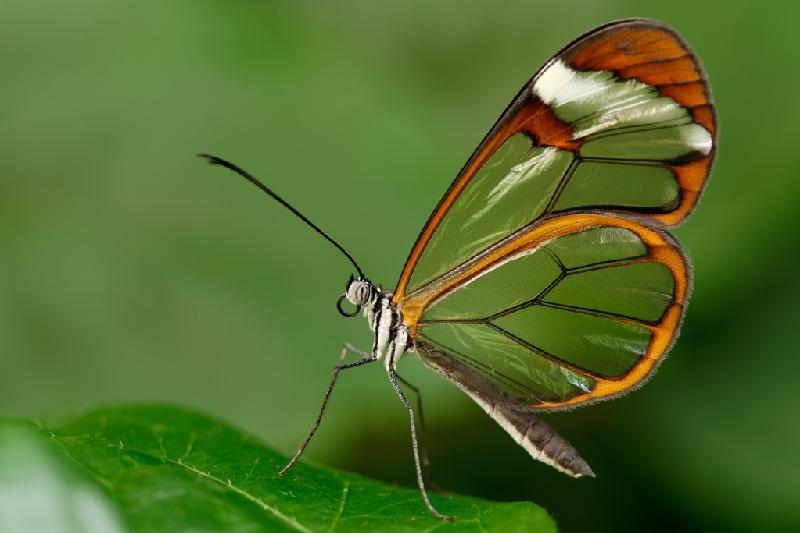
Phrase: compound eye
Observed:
(362, 294)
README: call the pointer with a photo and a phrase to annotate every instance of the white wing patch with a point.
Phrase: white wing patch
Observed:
(558, 84)
(596, 102)
(698, 139)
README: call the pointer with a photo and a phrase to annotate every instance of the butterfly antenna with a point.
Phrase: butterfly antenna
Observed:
(214, 160)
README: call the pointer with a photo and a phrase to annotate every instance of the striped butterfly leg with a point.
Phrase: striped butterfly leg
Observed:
(347, 348)
(393, 377)
(423, 436)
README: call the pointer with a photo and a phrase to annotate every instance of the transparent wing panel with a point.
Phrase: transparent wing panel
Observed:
(523, 375)
(688, 141)
(640, 291)
(638, 186)
(510, 284)
(595, 344)
(511, 189)
(597, 245)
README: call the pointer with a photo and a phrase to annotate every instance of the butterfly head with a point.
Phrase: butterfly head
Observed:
(359, 292)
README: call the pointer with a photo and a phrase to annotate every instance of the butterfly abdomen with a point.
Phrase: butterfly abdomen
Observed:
(537, 437)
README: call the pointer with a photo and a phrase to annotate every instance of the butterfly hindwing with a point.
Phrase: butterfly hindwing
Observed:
(620, 121)
(576, 308)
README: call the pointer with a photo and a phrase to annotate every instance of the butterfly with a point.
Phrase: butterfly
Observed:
(546, 279)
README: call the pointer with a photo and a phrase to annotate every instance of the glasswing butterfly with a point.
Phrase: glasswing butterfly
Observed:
(545, 278)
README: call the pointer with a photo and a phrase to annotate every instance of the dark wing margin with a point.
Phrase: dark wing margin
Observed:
(537, 437)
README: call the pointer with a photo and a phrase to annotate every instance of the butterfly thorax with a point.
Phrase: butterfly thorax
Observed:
(390, 335)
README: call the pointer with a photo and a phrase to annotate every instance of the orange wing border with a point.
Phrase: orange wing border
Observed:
(631, 48)
(661, 248)
(671, 66)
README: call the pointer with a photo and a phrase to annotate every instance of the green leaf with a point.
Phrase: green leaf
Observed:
(165, 469)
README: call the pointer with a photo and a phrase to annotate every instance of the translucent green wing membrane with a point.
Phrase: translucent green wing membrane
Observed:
(619, 121)
(574, 309)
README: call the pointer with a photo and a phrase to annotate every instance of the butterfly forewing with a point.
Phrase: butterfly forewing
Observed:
(620, 120)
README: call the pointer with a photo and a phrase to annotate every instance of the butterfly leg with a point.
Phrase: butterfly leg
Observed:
(347, 348)
(426, 460)
(393, 377)
(423, 436)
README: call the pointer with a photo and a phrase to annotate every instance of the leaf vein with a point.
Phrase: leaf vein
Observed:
(246, 495)
(345, 491)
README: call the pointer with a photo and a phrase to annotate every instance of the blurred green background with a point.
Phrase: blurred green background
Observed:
(130, 271)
